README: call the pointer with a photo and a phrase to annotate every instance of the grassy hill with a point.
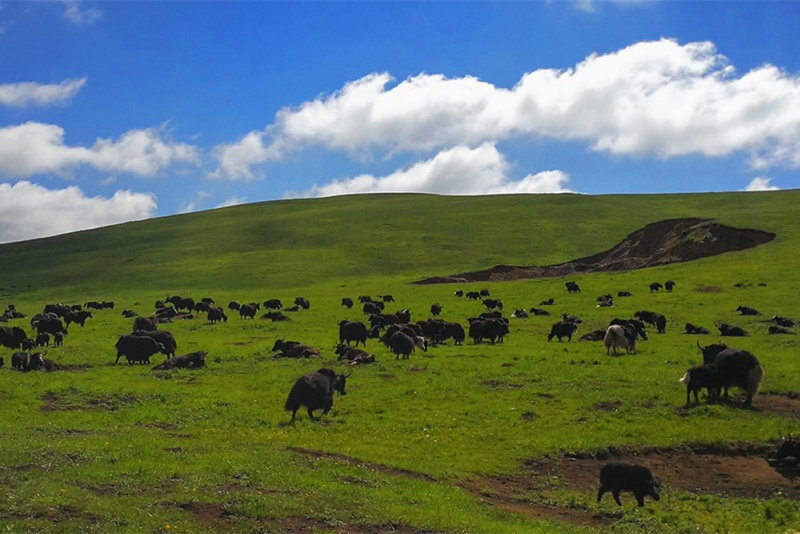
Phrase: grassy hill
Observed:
(461, 438)
(303, 242)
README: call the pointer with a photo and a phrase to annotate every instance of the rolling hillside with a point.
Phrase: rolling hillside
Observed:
(294, 244)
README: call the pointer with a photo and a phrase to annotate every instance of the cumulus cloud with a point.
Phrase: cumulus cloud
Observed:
(81, 17)
(24, 94)
(656, 98)
(34, 148)
(457, 171)
(761, 183)
(236, 160)
(30, 211)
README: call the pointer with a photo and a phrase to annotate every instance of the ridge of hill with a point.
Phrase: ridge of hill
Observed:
(659, 243)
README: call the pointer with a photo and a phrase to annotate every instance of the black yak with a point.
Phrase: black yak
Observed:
(137, 348)
(699, 377)
(352, 331)
(735, 367)
(618, 477)
(193, 360)
(315, 392)
(562, 329)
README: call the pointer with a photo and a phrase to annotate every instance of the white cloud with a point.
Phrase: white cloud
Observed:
(656, 98)
(761, 183)
(457, 171)
(35, 94)
(237, 159)
(33, 148)
(29, 211)
(81, 17)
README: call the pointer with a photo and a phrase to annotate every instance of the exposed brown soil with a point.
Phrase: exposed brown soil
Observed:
(659, 243)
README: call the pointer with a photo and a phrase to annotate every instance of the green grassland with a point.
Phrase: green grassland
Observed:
(99, 447)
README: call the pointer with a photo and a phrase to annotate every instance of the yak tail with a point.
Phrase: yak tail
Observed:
(685, 379)
(608, 339)
(754, 380)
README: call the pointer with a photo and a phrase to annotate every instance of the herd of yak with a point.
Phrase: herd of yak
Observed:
(723, 367)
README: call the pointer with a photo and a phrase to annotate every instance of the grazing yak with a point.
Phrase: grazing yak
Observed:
(137, 348)
(699, 377)
(19, 361)
(491, 304)
(49, 325)
(216, 314)
(735, 368)
(563, 329)
(373, 308)
(436, 309)
(43, 340)
(622, 334)
(653, 319)
(459, 293)
(347, 302)
(493, 329)
(247, 311)
(699, 330)
(234, 305)
(302, 302)
(618, 477)
(669, 285)
(473, 295)
(181, 303)
(315, 392)
(401, 344)
(655, 286)
(352, 331)
(193, 360)
(58, 339)
(163, 338)
(144, 323)
(572, 287)
(77, 317)
(273, 304)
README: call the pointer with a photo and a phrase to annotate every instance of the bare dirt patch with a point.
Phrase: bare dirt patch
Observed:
(659, 243)
(205, 512)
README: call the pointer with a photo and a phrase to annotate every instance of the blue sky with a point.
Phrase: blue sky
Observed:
(118, 111)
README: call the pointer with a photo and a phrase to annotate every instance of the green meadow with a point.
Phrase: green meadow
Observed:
(445, 441)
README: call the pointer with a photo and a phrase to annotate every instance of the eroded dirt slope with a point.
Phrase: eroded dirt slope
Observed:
(659, 243)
